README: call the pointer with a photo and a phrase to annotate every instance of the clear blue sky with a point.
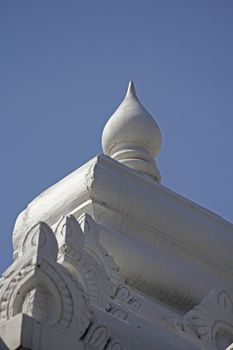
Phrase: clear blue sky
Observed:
(64, 68)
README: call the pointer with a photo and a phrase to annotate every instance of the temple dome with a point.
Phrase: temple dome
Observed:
(132, 136)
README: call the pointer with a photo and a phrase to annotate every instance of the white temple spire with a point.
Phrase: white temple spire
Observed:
(132, 137)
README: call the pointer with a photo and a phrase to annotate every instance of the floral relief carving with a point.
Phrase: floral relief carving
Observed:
(211, 322)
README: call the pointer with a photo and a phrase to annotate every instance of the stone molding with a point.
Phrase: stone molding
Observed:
(132, 213)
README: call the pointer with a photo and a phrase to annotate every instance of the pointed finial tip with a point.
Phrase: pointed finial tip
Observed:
(131, 90)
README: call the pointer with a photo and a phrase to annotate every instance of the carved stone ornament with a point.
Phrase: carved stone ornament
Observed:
(35, 284)
(100, 337)
(95, 269)
(58, 275)
(124, 294)
(92, 244)
(88, 261)
(120, 292)
(115, 345)
(211, 322)
(97, 336)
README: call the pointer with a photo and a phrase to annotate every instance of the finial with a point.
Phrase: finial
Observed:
(132, 137)
(131, 91)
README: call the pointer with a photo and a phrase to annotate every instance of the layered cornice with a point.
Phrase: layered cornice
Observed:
(156, 236)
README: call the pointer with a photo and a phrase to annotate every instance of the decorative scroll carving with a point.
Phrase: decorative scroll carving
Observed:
(37, 285)
(119, 313)
(97, 336)
(100, 337)
(115, 345)
(124, 293)
(211, 321)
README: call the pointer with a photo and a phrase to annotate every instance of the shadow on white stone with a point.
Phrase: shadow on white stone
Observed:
(211, 322)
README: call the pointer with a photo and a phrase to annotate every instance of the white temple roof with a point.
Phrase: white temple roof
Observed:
(148, 268)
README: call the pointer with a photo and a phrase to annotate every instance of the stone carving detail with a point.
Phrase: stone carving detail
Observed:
(115, 345)
(119, 313)
(81, 253)
(84, 265)
(37, 285)
(56, 275)
(97, 336)
(124, 294)
(211, 321)
(92, 244)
